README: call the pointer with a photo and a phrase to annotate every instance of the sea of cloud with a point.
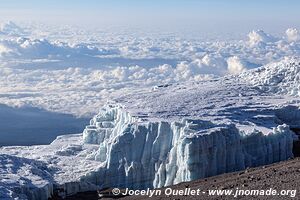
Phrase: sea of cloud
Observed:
(71, 70)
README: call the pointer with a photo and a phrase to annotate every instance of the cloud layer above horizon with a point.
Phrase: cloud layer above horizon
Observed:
(74, 71)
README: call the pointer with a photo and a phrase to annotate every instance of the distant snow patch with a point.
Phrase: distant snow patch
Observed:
(282, 77)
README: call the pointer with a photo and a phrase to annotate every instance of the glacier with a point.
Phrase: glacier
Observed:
(160, 136)
(158, 154)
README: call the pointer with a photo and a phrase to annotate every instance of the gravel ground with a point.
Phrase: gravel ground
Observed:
(279, 176)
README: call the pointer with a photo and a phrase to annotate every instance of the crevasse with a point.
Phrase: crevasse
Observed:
(153, 154)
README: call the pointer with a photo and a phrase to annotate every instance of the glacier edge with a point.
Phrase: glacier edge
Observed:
(137, 154)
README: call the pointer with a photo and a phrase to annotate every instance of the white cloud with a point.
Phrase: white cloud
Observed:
(86, 69)
(292, 34)
(10, 28)
(236, 65)
(259, 36)
(42, 48)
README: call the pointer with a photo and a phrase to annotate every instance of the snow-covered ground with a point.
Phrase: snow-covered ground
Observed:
(169, 133)
(30, 172)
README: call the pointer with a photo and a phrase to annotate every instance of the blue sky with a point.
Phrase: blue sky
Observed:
(205, 13)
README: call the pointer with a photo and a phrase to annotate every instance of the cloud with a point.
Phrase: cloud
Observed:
(209, 64)
(260, 37)
(292, 35)
(42, 48)
(236, 65)
(10, 28)
(81, 73)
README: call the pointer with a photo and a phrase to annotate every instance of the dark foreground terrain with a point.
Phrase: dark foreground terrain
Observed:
(280, 176)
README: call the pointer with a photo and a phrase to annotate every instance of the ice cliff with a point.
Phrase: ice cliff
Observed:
(157, 154)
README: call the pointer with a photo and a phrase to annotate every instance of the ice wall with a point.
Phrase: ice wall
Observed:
(155, 154)
(290, 115)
